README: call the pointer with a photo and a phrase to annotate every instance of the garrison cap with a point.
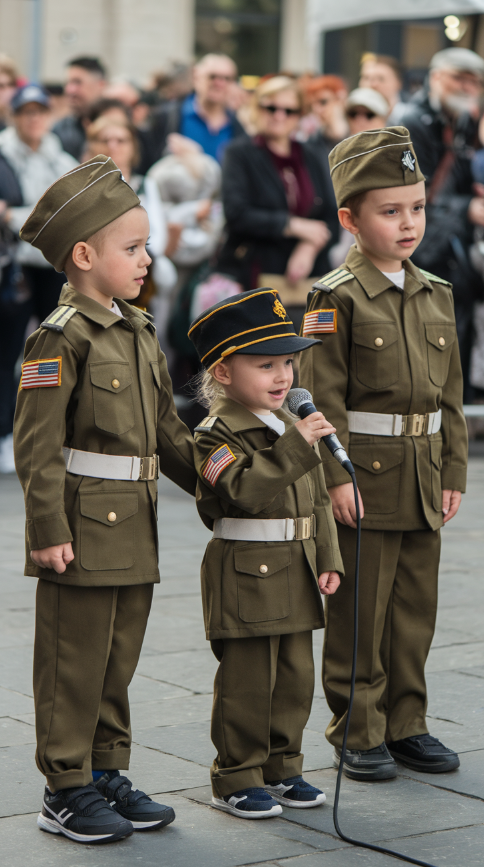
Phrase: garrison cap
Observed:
(77, 206)
(373, 160)
(251, 323)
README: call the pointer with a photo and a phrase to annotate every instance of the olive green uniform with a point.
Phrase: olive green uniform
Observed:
(394, 353)
(113, 398)
(261, 599)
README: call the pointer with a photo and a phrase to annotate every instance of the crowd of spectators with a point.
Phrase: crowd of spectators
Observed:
(234, 176)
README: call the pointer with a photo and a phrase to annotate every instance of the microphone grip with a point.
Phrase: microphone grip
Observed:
(331, 441)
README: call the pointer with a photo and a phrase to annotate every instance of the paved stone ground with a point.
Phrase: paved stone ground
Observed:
(436, 818)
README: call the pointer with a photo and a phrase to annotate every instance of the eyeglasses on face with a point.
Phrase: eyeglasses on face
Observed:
(272, 109)
(216, 76)
(360, 112)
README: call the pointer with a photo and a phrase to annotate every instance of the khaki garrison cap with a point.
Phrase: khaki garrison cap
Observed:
(373, 160)
(76, 206)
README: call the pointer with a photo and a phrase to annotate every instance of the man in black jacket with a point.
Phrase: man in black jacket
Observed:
(86, 80)
(204, 115)
(442, 120)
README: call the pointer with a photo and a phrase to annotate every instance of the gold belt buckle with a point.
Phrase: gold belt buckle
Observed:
(149, 468)
(303, 527)
(415, 425)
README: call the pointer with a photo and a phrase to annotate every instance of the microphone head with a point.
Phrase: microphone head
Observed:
(296, 397)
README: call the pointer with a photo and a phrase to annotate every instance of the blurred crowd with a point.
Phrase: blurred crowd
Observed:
(234, 175)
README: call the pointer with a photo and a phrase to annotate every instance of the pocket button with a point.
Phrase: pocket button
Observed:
(376, 465)
(263, 569)
(112, 516)
(442, 341)
(378, 341)
(115, 383)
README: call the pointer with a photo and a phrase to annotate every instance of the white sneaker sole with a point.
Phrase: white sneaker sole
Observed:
(246, 814)
(298, 805)
(53, 827)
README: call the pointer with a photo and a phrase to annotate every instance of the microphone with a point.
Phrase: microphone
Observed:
(300, 402)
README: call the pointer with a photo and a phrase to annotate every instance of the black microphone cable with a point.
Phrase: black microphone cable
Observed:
(300, 402)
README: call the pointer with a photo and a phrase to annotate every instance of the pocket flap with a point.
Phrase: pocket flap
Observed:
(118, 506)
(377, 458)
(375, 335)
(114, 376)
(156, 372)
(436, 452)
(441, 335)
(250, 558)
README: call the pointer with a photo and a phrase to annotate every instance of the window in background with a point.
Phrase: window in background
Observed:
(246, 30)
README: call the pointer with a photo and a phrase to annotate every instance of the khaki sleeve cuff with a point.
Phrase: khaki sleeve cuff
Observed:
(47, 531)
(454, 478)
(329, 560)
(335, 474)
(293, 441)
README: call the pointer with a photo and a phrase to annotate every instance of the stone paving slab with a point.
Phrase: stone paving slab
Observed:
(466, 780)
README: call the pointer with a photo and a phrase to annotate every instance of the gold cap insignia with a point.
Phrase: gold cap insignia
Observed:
(279, 309)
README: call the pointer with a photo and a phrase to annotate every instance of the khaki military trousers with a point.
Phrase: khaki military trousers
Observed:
(263, 694)
(87, 645)
(397, 611)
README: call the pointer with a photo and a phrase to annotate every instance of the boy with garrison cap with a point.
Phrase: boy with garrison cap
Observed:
(95, 420)
(389, 378)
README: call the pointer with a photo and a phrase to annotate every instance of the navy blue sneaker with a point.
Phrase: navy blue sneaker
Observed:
(83, 815)
(253, 803)
(295, 792)
(133, 805)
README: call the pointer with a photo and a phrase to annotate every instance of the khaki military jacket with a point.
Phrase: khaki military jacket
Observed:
(271, 477)
(393, 352)
(87, 412)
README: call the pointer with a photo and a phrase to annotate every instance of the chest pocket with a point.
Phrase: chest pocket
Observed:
(376, 354)
(112, 396)
(440, 337)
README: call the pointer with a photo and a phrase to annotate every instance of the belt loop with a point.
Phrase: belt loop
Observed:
(71, 455)
(398, 425)
(290, 529)
(132, 467)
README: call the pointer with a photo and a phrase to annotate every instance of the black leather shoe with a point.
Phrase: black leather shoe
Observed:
(375, 764)
(424, 753)
(133, 805)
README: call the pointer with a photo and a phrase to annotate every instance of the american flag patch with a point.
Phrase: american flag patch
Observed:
(319, 321)
(217, 462)
(41, 373)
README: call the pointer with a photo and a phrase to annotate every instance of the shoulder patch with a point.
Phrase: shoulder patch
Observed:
(333, 279)
(217, 462)
(206, 424)
(320, 322)
(434, 279)
(58, 319)
(41, 373)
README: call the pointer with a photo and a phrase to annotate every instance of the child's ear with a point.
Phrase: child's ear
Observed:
(347, 221)
(82, 255)
(221, 373)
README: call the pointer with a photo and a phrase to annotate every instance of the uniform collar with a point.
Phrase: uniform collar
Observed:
(237, 417)
(374, 281)
(99, 314)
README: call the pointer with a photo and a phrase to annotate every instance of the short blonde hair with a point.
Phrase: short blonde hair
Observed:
(271, 86)
(8, 67)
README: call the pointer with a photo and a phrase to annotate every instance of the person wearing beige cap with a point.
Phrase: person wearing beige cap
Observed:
(95, 422)
(390, 381)
(366, 109)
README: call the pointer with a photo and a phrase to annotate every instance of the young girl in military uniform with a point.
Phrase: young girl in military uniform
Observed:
(95, 417)
(390, 380)
(274, 552)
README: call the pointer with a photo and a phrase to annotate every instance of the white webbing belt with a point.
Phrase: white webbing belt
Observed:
(384, 425)
(262, 530)
(120, 467)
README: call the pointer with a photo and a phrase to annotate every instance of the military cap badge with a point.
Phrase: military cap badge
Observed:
(408, 161)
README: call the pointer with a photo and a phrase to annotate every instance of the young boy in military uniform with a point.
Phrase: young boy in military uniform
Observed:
(389, 378)
(95, 418)
(274, 551)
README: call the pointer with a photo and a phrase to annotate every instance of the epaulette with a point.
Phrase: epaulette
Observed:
(435, 279)
(206, 425)
(332, 280)
(59, 318)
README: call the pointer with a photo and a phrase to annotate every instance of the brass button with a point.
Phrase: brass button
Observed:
(442, 341)
(378, 341)
(115, 383)
(112, 516)
(376, 465)
(263, 569)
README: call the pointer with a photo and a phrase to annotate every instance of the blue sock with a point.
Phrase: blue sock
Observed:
(96, 775)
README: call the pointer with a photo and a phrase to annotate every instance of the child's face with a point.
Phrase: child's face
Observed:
(258, 382)
(390, 224)
(118, 264)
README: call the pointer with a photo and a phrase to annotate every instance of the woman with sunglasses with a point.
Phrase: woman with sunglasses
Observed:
(366, 109)
(278, 201)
